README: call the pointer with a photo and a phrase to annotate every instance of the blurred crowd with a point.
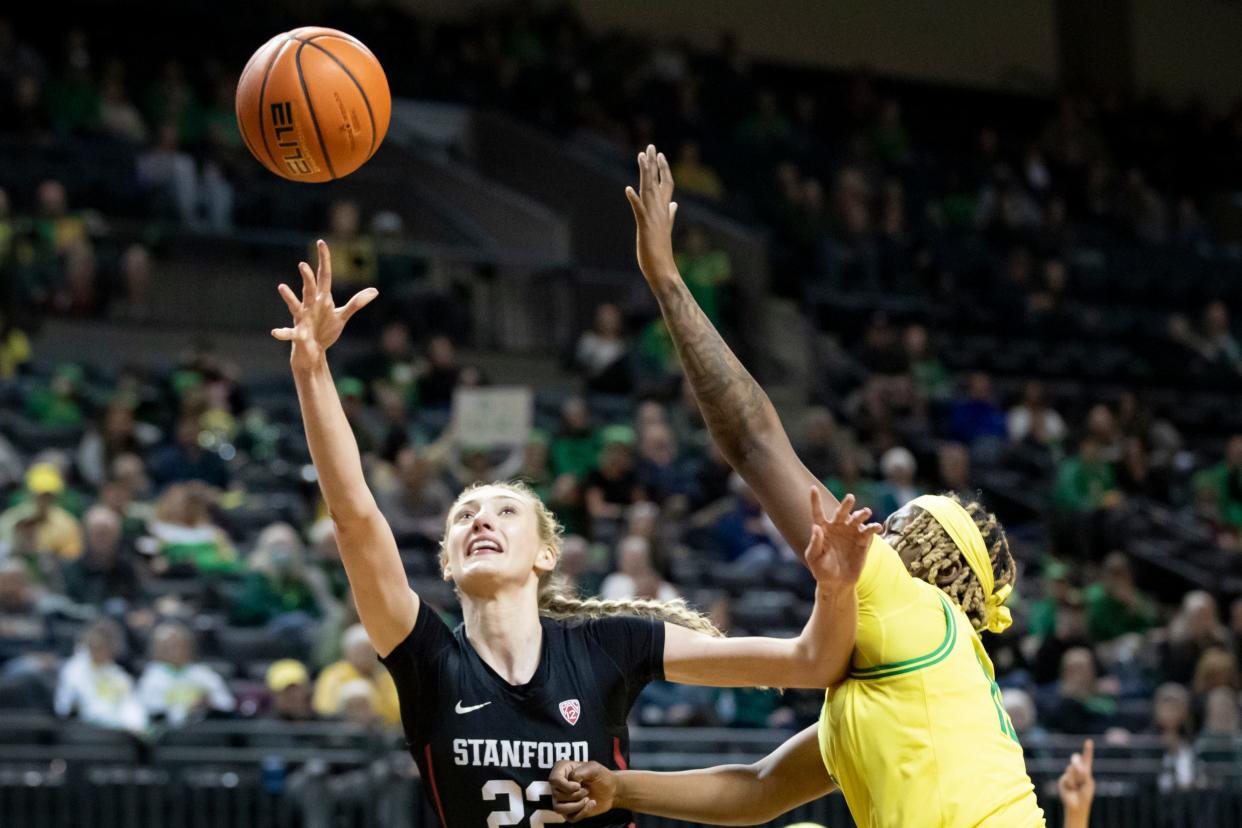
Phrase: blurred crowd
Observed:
(164, 556)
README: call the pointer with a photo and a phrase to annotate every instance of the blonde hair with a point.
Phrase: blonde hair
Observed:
(558, 602)
(942, 564)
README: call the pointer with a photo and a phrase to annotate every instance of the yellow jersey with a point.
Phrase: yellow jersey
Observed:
(917, 736)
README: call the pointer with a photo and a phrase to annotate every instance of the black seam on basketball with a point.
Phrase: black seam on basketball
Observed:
(297, 62)
(361, 91)
(263, 91)
(347, 38)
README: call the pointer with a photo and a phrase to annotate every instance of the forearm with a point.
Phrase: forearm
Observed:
(827, 641)
(332, 446)
(738, 413)
(723, 795)
(1078, 818)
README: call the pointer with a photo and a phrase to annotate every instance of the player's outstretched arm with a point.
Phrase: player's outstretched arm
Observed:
(1077, 787)
(790, 776)
(817, 658)
(386, 604)
(740, 416)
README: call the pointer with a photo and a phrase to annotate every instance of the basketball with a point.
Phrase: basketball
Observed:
(313, 104)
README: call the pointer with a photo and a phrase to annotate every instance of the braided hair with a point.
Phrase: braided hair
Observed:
(938, 561)
(557, 601)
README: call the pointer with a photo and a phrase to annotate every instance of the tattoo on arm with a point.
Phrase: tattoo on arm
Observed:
(735, 407)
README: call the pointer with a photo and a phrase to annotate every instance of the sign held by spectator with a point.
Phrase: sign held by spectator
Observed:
(493, 416)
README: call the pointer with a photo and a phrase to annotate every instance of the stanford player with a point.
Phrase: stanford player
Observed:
(533, 676)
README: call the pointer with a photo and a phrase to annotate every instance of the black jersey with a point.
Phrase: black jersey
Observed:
(485, 747)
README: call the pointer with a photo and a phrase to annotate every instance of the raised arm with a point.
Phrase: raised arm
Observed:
(742, 420)
(817, 658)
(386, 604)
(790, 776)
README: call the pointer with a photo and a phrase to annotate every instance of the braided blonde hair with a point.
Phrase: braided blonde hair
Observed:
(557, 601)
(942, 564)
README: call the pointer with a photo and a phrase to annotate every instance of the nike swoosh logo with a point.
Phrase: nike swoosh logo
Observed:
(470, 709)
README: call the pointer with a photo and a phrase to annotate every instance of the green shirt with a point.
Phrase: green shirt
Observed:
(1108, 618)
(1081, 484)
(703, 275)
(574, 455)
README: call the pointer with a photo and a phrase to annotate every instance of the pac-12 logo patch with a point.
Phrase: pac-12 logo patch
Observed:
(571, 709)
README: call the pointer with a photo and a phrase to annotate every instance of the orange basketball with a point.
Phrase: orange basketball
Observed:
(313, 104)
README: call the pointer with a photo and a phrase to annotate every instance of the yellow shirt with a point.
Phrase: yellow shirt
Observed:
(917, 736)
(58, 532)
(327, 698)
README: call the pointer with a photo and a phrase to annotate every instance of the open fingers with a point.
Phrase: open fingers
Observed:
(666, 176)
(283, 334)
(291, 301)
(325, 267)
(636, 203)
(815, 546)
(357, 302)
(643, 175)
(858, 519)
(842, 514)
(310, 290)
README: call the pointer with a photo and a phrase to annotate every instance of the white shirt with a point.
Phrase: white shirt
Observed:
(621, 587)
(165, 690)
(102, 694)
(1021, 423)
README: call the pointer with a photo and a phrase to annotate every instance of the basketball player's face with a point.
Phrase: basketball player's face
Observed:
(494, 541)
(893, 527)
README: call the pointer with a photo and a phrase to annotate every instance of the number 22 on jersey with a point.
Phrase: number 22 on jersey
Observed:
(535, 791)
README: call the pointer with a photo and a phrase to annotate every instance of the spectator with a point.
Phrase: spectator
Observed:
(1070, 633)
(1224, 481)
(55, 530)
(931, 379)
(695, 177)
(118, 117)
(135, 303)
(290, 686)
(1215, 345)
(1080, 706)
(186, 536)
(119, 434)
(602, 354)
(613, 486)
(953, 460)
(95, 687)
(661, 473)
(976, 416)
(898, 467)
(1136, 477)
(635, 576)
(1115, 606)
(24, 628)
(15, 349)
(1219, 745)
(419, 500)
(359, 664)
(176, 688)
(1178, 771)
(1042, 620)
(355, 262)
(187, 459)
(821, 444)
(59, 404)
(1021, 711)
(280, 583)
(435, 386)
(1033, 421)
(1085, 482)
(706, 270)
(1194, 630)
(106, 570)
(575, 448)
(1217, 667)
(168, 174)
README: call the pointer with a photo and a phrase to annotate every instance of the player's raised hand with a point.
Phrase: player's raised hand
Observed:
(317, 321)
(1077, 786)
(838, 547)
(582, 789)
(654, 211)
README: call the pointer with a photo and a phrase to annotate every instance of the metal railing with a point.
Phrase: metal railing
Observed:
(263, 774)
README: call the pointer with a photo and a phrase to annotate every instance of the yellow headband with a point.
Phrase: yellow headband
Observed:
(955, 520)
